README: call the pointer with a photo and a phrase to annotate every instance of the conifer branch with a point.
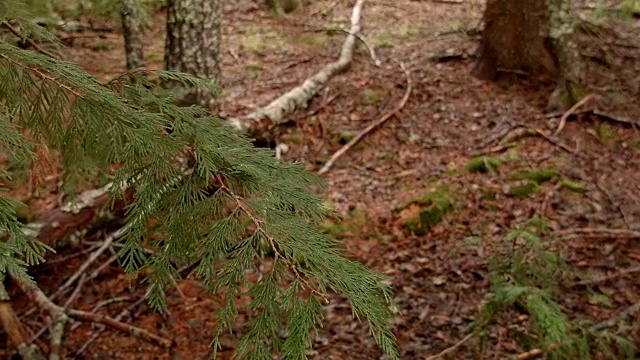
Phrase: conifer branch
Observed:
(29, 41)
(42, 75)
(272, 242)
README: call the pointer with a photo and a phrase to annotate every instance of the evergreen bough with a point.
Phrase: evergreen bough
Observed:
(232, 210)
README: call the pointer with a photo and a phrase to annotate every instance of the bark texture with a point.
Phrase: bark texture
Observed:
(537, 37)
(516, 38)
(193, 45)
(570, 87)
(67, 224)
(132, 34)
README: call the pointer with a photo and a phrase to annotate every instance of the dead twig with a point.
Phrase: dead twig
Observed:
(599, 233)
(75, 292)
(452, 348)
(572, 110)
(80, 273)
(102, 328)
(556, 142)
(522, 131)
(83, 268)
(372, 126)
(608, 277)
(622, 315)
(60, 316)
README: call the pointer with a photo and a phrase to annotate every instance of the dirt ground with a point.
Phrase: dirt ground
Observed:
(439, 280)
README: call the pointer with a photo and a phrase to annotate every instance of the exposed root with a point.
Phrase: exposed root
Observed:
(565, 116)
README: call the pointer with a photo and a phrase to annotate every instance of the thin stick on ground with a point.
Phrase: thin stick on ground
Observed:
(60, 316)
(622, 315)
(555, 141)
(372, 126)
(621, 233)
(80, 272)
(119, 317)
(565, 116)
(602, 279)
(451, 348)
(535, 352)
(614, 203)
(82, 269)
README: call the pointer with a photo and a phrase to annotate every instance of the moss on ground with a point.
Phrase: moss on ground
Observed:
(573, 186)
(433, 206)
(483, 164)
(537, 175)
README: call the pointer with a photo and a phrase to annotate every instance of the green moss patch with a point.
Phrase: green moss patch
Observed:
(573, 186)
(537, 176)
(483, 164)
(525, 190)
(426, 211)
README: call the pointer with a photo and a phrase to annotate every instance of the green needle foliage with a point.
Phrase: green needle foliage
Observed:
(525, 276)
(211, 200)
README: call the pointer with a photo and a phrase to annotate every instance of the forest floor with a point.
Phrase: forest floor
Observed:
(440, 276)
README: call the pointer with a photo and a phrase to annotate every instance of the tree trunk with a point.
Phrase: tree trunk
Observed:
(132, 34)
(535, 37)
(193, 45)
(514, 39)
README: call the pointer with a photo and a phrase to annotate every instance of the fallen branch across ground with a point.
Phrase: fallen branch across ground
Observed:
(522, 131)
(60, 316)
(372, 126)
(297, 98)
(119, 317)
(599, 233)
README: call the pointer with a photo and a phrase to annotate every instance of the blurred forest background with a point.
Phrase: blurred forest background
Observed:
(483, 155)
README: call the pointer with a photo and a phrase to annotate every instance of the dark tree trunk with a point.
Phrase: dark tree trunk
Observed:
(193, 45)
(514, 38)
(132, 34)
(533, 36)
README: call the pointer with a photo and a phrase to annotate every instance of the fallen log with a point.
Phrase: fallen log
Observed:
(297, 98)
(68, 224)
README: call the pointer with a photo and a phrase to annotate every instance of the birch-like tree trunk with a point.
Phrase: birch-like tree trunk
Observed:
(132, 34)
(193, 45)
